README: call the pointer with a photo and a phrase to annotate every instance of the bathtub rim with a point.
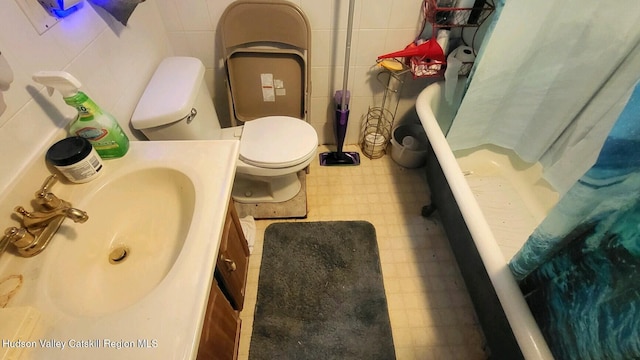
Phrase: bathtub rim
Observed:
(523, 325)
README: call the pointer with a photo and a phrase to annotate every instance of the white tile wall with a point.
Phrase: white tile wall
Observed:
(113, 63)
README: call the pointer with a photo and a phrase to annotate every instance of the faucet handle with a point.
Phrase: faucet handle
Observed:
(9, 234)
(44, 189)
(45, 198)
(20, 237)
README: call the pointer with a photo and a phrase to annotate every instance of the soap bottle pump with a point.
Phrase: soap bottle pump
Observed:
(99, 127)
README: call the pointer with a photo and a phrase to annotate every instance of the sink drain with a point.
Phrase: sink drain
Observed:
(119, 254)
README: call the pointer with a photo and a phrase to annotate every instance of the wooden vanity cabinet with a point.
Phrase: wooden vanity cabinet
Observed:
(220, 334)
(233, 260)
(221, 328)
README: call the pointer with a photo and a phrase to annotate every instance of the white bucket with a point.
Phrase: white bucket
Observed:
(409, 145)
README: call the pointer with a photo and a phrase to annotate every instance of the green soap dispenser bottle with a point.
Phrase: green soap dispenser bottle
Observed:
(99, 127)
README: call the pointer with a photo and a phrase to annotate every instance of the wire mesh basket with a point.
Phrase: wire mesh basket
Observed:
(376, 132)
(445, 14)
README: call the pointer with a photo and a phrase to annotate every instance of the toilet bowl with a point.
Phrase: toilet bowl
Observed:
(176, 105)
(272, 151)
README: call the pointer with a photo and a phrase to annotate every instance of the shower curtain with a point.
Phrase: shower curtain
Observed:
(552, 79)
(580, 269)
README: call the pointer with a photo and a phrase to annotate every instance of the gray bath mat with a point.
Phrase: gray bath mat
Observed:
(320, 294)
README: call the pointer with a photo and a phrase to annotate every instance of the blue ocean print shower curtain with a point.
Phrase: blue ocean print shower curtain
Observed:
(580, 269)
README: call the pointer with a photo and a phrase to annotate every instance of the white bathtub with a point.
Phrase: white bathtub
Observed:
(501, 199)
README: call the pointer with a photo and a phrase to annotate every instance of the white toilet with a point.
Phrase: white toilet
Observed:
(176, 105)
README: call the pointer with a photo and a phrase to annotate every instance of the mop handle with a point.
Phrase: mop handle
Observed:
(347, 55)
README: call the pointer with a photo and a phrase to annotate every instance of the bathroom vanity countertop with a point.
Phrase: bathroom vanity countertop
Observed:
(166, 322)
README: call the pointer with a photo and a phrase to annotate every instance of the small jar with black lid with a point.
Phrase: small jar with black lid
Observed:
(76, 159)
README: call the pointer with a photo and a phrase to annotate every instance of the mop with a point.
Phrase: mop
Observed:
(341, 98)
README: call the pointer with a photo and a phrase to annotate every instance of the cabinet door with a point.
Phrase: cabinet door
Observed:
(233, 260)
(221, 328)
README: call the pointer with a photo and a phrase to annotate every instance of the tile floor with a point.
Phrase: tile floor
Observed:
(430, 311)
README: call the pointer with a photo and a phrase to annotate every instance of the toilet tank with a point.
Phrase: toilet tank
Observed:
(176, 105)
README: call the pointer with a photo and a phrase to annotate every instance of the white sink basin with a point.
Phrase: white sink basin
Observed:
(137, 227)
(164, 204)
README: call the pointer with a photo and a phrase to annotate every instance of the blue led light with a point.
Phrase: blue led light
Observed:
(64, 13)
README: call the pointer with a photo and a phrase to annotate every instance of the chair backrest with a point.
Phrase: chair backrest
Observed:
(249, 21)
(266, 45)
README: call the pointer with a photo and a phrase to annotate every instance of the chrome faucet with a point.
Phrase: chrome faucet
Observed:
(39, 226)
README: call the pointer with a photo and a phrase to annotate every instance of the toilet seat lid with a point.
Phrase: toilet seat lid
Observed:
(277, 142)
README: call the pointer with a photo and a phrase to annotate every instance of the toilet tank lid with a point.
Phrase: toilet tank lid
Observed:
(170, 94)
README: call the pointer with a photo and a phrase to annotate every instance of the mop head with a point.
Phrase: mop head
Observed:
(334, 158)
(340, 127)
